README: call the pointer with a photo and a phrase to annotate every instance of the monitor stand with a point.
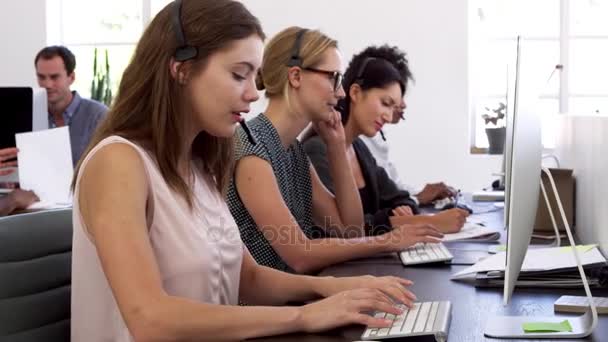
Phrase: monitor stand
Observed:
(582, 326)
(558, 239)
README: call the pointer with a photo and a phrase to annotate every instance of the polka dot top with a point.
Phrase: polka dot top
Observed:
(292, 172)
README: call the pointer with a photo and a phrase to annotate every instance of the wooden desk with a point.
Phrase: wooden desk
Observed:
(471, 307)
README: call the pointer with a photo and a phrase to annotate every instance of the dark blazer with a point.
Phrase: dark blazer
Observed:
(384, 195)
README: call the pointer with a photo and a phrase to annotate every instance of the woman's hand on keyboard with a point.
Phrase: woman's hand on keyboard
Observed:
(394, 287)
(346, 308)
(407, 235)
(449, 221)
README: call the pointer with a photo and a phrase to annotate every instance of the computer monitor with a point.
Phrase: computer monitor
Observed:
(523, 158)
(507, 157)
(24, 109)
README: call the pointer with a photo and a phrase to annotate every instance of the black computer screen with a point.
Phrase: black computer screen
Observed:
(15, 113)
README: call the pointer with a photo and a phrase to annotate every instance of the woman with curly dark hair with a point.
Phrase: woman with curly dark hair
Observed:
(375, 82)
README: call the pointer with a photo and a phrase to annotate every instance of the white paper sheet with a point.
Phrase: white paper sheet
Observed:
(537, 259)
(45, 164)
(472, 230)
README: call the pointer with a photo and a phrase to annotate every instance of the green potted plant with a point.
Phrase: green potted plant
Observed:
(495, 128)
(101, 87)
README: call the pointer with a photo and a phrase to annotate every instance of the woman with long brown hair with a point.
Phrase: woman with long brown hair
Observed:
(156, 254)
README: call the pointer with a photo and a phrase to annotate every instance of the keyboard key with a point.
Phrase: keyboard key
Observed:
(425, 253)
(422, 317)
(433, 252)
(383, 332)
(430, 323)
(411, 318)
(380, 315)
(427, 318)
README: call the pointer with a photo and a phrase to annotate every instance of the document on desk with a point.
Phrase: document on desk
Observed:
(537, 259)
(473, 232)
(45, 165)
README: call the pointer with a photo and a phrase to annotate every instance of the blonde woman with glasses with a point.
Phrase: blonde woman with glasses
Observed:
(286, 216)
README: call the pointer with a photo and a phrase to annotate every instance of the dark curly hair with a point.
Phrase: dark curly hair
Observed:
(375, 67)
(395, 56)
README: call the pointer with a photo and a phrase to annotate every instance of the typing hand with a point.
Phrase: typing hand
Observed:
(406, 235)
(347, 308)
(403, 210)
(434, 191)
(331, 130)
(450, 221)
(394, 287)
(7, 154)
(22, 198)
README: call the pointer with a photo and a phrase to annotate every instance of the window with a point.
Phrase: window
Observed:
(566, 32)
(588, 53)
(114, 26)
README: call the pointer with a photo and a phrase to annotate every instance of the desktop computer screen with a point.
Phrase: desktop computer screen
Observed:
(512, 102)
(523, 158)
(24, 109)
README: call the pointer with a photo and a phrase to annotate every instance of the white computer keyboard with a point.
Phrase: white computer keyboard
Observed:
(427, 318)
(423, 253)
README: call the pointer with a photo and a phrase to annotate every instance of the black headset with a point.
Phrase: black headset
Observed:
(359, 76)
(295, 59)
(183, 52)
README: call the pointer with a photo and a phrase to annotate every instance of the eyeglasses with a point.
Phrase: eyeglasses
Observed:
(335, 76)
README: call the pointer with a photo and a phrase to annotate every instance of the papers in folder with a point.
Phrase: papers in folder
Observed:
(473, 232)
(538, 259)
(45, 166)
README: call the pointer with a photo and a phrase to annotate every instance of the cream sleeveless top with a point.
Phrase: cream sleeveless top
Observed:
(199, 253)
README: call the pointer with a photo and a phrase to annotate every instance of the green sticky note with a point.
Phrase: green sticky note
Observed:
(538, 327)
(501, 248)
(579, 248)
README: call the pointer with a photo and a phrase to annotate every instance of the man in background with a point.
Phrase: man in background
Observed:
(55, 72)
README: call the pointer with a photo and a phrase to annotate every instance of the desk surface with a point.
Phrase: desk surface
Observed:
(471, 306)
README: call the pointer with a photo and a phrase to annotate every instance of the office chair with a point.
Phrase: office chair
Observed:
(35, 275)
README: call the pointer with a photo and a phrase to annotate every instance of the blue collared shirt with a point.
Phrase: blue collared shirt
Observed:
(82, 116)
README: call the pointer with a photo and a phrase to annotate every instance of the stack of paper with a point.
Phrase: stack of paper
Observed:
(538, 259)
(473, 232)
(569, 278)
(45, 166)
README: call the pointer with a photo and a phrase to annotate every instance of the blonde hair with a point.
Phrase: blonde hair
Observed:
(273, 74)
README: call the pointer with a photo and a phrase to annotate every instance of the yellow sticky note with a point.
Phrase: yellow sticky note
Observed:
(579, 248)
(537, 327)
(501, 248)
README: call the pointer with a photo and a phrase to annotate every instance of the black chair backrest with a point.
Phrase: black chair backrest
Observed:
(35, 275)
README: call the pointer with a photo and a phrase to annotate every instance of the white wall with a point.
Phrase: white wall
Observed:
(22, 35)
(433, 143)
(581, 145)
